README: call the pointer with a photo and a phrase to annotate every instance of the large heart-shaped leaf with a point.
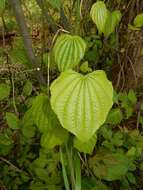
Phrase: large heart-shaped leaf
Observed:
(68, 51)
(99, 14)
(82, 102)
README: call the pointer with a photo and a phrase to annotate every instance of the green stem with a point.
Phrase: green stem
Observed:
(69, 150)
(64, 171)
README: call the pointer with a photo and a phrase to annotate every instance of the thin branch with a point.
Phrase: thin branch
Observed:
(12, 165)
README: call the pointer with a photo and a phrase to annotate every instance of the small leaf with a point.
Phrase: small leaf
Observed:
(85, 68)
(54, 137)
(42, 113)
(4, 91)
(131, 178)
(28, 131)
(12, 120)
(115, 116)
(99, 14)
(86, 147)
(82, 102)
(27, 89)
(132, 97)
(5, 139)
(138, 21)
(106, 132)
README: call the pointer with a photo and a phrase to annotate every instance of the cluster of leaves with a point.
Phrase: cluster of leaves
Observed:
(26, 163)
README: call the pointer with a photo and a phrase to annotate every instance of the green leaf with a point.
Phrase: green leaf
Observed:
(41, 173)
(99, 15)
(110, 166)
(12, 120)
(106, 132)
(132, 97)
(56, 136)
(93, 184)
(82, 102)
(86, 147)
(5, 139)
(42, 113)
(112, 21)
(138, 21)
(68, 51)
(85, 68)
(131, 178)
(4, 91)
(28, 131)
(115, 116)
(27, 89)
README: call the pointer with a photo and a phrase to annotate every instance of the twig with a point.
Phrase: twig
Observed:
(12, 165)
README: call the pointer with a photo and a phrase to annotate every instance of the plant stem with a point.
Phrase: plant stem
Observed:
(69, 150)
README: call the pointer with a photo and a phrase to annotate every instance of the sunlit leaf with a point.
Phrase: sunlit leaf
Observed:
(82, 102)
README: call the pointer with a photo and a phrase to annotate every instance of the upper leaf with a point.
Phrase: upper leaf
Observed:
(99, 14)
(68, 51)
(105, 20)
(82, 102)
